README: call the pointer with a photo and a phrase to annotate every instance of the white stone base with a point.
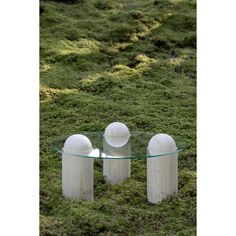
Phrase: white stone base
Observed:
(162, 177)
(162, 172)
(116, 170)
(77, 177)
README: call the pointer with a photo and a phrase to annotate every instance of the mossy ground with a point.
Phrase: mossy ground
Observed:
(129, 61)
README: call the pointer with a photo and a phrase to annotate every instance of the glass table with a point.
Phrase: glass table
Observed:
(78, 154)
(137, 143)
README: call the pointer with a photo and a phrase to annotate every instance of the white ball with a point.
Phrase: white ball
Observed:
(77, 144)
(117, 134)
(160, 144)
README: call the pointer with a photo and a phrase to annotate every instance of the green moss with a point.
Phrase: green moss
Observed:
(129, 61)
(106, 5)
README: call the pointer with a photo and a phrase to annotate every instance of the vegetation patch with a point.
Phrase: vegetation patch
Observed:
(106, 5)
(128, 61)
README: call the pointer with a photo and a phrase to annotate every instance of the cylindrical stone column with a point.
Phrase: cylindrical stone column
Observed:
(116, 170)
(162, 172)
(77, 172)
(116, 144)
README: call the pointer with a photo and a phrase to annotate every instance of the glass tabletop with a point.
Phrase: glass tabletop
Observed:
(135, 147)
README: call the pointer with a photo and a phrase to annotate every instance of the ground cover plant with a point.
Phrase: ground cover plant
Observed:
(129, 61)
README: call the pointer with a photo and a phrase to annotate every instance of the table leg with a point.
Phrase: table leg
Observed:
(77, 177)
(162, 172)
(116, 170)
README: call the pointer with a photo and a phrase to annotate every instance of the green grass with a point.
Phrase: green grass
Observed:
(128, 61)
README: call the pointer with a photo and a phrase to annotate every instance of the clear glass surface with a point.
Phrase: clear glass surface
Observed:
(135, 147)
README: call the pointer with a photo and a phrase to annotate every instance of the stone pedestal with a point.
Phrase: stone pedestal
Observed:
(77, 172)
(162, 172)
(116, 170)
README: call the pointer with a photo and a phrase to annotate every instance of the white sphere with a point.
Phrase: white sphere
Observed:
(117, 134)
(160, 144)
(77, 144)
